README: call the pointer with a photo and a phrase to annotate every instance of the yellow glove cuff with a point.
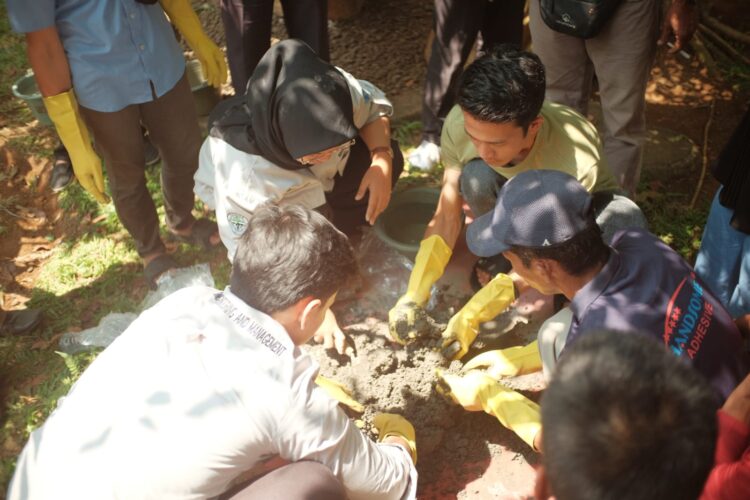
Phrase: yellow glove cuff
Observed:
(487, 303)
(63, 111)
(429, 264)
(514, 411)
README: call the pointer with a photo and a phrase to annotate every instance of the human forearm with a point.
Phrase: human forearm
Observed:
(49, 62)
(447, 220)
(377, 137)
(377, 133)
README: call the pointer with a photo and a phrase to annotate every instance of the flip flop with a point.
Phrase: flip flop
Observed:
(158, 266)
(201, 234)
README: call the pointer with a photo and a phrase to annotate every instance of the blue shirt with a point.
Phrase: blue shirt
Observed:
(647, 288)
(116, 49)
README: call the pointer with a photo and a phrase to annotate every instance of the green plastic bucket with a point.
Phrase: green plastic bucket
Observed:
(204, 95)
(402, 225)
(25, 88)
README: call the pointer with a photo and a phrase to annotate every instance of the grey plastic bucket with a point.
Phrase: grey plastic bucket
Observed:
(25, 88)
(403, 223)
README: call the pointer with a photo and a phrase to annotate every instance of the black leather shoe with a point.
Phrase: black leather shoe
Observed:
(20, 322)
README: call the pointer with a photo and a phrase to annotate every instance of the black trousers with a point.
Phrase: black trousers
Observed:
(348, 213)
(247, 24)
(173, 128)
(457, 24)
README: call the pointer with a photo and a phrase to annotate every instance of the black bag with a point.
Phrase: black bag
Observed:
(582, 19)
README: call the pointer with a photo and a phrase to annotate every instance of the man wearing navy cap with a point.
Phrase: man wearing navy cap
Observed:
(544, 224)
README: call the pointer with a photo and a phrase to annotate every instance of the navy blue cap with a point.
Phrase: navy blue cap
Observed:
(536, 208)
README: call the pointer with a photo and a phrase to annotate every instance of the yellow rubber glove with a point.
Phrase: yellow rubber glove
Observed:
(487, 303)
(340, 393)
(390, 424)
(187, 23)
(63, 111)
(508, 362)
(429, 264)
(478, 391)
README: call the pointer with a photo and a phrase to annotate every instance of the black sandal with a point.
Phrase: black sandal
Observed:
(158, 266)
(492, 266)
(201, 233)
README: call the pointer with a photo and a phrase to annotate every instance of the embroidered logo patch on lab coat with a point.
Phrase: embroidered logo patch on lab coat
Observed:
(237, 223)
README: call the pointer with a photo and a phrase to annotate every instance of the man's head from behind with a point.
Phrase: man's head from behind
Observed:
(543, 222)
(501, 95)
(290, 262)
(623, 418)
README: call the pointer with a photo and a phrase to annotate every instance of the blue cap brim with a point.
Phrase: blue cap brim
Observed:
(480, 238)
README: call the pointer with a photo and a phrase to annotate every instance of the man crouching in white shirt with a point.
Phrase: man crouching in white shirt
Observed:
(208, 384)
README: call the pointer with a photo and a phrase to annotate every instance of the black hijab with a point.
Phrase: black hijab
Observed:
(295, 104)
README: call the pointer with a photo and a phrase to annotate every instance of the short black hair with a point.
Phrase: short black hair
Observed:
(503, 85)
(624, 419)
(575, 255)
(288, 253)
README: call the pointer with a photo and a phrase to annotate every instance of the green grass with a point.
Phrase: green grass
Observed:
(13, 65)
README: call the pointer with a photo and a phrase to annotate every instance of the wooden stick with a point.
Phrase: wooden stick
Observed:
(718, 53)
(723, 43)
(704, 166)
(705, 56)
(726, 30)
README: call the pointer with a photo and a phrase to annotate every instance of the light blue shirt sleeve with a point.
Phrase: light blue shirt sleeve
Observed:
(120, 52)
(30, 15)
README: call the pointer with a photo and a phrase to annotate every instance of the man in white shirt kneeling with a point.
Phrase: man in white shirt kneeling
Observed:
(207, 385)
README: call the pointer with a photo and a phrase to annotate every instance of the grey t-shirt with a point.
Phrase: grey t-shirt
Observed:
(646, 287)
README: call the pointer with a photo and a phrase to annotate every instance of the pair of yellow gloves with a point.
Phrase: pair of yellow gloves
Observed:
(63, 108)
(474, 390)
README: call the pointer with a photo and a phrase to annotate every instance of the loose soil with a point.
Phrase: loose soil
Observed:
(385, 44)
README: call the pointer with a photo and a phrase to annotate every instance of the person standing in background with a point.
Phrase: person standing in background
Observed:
(106, 68)
(457, 24)
(247, 24)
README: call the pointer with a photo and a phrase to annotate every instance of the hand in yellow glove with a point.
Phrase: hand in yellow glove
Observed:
(63, 111)
(187, 23)
(429, 264)
(477, 391)
(340, 393)
(487, 303)
(508, 362)
(390, 424)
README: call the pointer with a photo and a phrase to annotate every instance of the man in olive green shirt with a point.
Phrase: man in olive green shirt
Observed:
(500, 127)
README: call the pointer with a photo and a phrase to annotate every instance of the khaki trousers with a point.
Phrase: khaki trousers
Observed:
(620, 57)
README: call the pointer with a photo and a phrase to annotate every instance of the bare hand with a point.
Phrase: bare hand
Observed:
(331, 335)
(377, 181)
(680, 21)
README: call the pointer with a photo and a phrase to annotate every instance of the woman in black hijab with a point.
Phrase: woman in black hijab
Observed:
(304, 132)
